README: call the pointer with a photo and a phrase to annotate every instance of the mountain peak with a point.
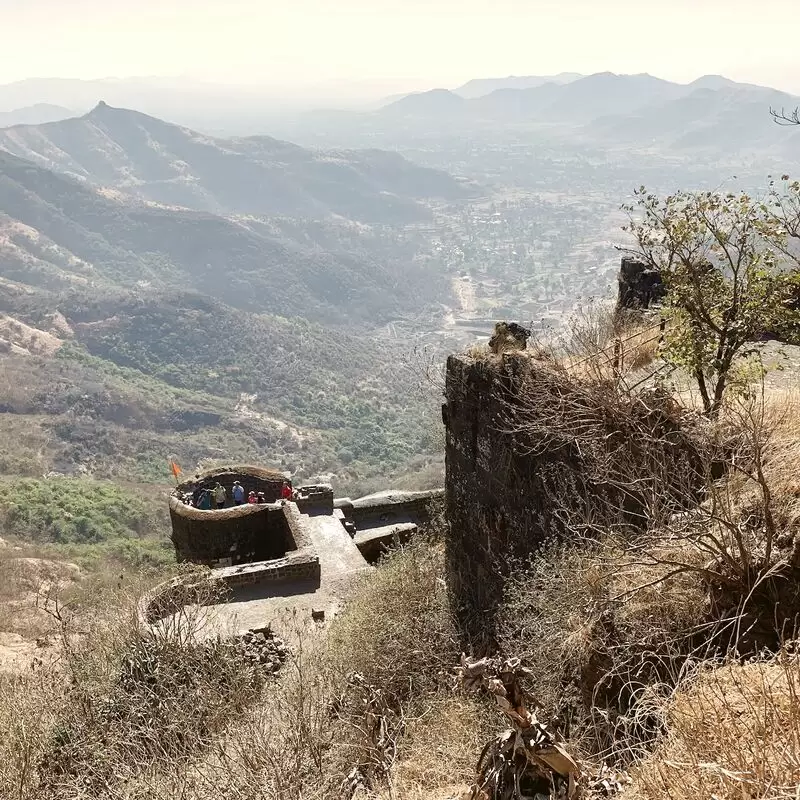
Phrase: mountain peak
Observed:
(717, 82)
(101, 108)
(434, 100)
(122, 116)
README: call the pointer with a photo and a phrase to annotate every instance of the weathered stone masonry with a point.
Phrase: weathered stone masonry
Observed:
(491, 492)
(507, 489)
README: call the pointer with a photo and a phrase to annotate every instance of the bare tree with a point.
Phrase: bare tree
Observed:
(784, 117)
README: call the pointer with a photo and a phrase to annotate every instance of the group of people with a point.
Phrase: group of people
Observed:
(216, 497)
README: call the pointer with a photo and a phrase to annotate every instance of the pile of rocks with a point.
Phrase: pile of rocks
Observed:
(263, 648)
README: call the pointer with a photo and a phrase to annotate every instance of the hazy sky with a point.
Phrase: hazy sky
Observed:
(438, 42)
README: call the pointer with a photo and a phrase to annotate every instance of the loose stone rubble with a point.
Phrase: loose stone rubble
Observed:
(263, 648)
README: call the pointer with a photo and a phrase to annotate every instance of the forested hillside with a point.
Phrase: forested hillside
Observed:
(134, 333)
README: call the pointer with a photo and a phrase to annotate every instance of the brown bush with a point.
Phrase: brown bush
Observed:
(733, 732)
(120, 702)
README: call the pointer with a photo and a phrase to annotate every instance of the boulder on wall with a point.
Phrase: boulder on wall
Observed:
(509, 336)
(640, 285)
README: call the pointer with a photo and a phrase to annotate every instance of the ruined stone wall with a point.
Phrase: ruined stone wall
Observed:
(297, 566)
(170, 596)
(391, 504)
(640, 286)
(508, 491)
(489, 509)
(242, 533)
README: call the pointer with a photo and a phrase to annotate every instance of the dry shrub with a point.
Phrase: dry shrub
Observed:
(275, 749)
(733, 733)
(120, 703)
(163, 712)
(439, 748)
(27, 718)
(613, 624)
(384, 666)
(621, 455)
(600, 345)
(778, 415)
(600, 651)
(397, 630)
(392, 650)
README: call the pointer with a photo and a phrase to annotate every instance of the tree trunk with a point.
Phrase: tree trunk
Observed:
(719, 392)
(701, 385)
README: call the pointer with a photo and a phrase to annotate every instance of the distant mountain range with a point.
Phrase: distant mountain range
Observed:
(483, 86)
(567, 100)
(34, 115)
(712, 112)
(174, 166)
(218, 109)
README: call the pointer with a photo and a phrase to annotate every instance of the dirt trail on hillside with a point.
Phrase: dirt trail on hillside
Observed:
(464, 291)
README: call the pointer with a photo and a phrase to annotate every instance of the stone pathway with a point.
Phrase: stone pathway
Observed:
(282, 604)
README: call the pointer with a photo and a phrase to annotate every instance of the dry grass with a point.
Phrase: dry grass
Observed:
(439, 748)
(609, 627)
(603, 632)
(596, 344)
(733, 733)
(130, 713)
(397, 630)
(119, 703)
(626, 353)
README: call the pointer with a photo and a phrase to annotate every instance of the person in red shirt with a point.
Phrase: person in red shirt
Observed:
(286, 491)
(251, 498)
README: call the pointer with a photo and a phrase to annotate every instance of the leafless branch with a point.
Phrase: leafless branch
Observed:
(784, 117)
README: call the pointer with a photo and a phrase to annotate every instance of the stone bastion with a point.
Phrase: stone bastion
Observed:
(251, 541)
(302, 544)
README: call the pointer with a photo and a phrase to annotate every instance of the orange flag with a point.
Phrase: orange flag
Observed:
(176, 470)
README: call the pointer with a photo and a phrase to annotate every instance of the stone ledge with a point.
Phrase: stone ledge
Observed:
(170, 596)
(294, 566)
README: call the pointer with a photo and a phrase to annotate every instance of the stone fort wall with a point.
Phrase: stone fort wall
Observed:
(513, 482)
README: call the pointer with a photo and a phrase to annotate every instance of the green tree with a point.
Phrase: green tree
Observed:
(729, 264)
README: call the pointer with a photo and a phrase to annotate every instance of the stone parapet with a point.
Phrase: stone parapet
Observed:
(393, 502)
(315, 497)
(301, 566)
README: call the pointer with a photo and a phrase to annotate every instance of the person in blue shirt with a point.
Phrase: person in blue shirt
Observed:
(238, 493)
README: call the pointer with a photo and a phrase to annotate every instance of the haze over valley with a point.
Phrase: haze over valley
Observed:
(282, 295)
(398, 400)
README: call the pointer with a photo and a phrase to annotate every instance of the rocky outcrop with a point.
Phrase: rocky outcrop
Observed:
(640, 286)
